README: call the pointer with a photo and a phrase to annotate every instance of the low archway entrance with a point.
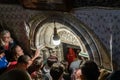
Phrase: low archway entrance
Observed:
(71, 31)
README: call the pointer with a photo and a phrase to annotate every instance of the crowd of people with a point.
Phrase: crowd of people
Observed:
(15, 65)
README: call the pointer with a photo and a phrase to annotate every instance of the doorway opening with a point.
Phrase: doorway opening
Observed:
(72, 33)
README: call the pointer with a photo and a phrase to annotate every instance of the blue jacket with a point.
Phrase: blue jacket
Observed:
(3, 63)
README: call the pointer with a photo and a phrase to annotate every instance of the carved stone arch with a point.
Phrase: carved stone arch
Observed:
(95, 49)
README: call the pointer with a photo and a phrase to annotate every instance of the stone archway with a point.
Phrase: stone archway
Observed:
(95, 49)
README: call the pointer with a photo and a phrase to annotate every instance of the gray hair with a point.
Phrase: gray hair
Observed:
(4, 32)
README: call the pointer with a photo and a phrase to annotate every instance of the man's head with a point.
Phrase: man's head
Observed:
(24, 61)
(56, 71)
(90, 70)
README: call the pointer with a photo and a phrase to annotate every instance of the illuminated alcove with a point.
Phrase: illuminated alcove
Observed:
(71, 31)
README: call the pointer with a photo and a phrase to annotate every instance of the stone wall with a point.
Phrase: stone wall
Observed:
(12, 17)
(103, 22)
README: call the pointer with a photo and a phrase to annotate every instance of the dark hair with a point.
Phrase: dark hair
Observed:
(114, 75)
(65, 63)
(36, 65)
(4, 32)
(90, 70)
(15, 75)
(23, 59)
(2, 50)
(51, 60)
(14, 53)
(37, 61)
(56, 71)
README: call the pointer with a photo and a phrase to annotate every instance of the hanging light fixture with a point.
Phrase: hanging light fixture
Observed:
(56, 37)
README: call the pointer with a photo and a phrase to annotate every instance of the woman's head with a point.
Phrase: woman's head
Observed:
(5, 35)
(37, 64)
(17, 51)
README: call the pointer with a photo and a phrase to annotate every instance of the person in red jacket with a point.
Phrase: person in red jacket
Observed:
(71, 56)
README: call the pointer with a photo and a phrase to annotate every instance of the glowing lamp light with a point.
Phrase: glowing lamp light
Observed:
(56, 37)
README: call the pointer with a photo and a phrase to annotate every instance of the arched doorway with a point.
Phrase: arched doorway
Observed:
(41, 31)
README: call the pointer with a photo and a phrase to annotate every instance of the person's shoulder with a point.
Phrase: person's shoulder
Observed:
(47, 76)
(20, 74)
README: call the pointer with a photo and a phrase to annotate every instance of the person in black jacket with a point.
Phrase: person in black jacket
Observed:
(6, 42)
